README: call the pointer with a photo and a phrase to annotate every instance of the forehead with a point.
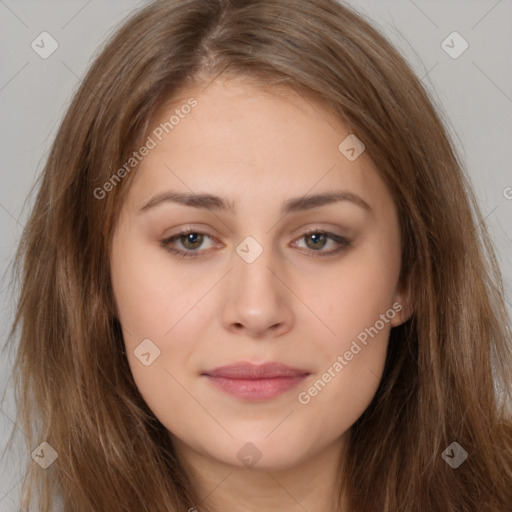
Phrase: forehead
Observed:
(238, 139)
(233, 117)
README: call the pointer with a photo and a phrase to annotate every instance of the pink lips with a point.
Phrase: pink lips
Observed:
(256, 382)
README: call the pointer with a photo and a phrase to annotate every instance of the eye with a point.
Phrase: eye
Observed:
(318, 240)
(191, 241)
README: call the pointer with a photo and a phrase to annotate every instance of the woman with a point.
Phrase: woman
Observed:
(260, 372)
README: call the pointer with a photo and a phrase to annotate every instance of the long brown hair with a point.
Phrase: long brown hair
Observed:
(448, 371)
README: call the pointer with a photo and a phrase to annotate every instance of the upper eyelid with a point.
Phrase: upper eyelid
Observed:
(307, 231)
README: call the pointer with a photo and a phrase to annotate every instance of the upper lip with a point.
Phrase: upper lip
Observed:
(245, 370)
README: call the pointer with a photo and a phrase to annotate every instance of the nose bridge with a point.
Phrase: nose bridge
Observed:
(256, 297)
(253, 261)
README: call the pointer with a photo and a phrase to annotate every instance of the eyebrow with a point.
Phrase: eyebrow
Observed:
(217, 203)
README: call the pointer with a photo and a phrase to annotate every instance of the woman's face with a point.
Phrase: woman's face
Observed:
(275, 271)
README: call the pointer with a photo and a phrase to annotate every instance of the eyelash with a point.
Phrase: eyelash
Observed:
(342, 242)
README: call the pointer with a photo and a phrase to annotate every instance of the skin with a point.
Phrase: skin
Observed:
(256, 148)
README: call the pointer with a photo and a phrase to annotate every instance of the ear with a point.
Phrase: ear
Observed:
(403, 307)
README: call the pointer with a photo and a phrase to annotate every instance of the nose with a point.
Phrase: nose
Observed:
(258, 303)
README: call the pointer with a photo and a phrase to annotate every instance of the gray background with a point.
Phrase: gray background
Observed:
(473, 92)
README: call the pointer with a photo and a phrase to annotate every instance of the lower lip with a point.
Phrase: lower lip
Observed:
(256, 389)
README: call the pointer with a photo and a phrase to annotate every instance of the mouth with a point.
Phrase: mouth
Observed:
(255, 382)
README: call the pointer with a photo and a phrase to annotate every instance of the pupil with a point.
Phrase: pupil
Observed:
(318, 237)
(190, 238)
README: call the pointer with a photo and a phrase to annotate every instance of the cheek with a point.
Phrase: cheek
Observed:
(149, 298)
(358, 309)
(363, 290)
(153, 304)
(360, 312)
(353, 358)
(335, 399)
